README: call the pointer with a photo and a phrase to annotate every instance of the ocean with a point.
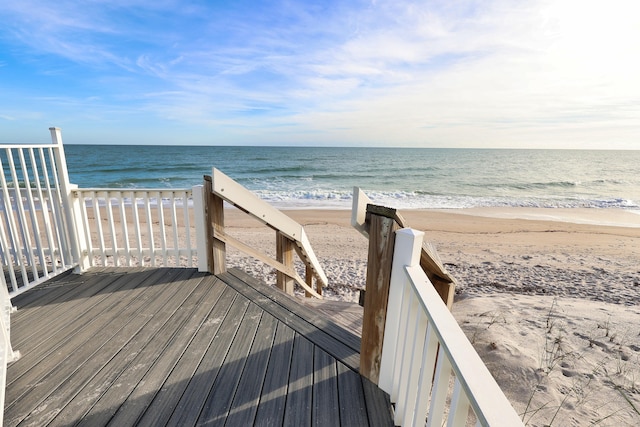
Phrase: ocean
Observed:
(404, 178)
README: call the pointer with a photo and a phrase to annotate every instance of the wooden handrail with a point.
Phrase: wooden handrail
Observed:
(289, 235)
(430, 262)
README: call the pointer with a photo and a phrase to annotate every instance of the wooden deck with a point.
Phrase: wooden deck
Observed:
(171, 346)
(346, 314)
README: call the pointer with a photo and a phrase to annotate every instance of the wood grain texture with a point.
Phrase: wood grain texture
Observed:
(284, 255)
(219, 247)
(381, 243)
(171, 346)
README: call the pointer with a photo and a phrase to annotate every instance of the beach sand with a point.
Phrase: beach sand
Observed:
(552, 306)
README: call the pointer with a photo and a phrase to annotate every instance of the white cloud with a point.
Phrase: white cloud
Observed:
(440, 73)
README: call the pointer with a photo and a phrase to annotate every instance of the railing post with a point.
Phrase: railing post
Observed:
(71, 204)
(308, 277)
(381, 244)
(200, 217)
(284, 254)
(216, 249)
(408, 246)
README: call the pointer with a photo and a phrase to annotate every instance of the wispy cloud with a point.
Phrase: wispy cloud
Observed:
(442, 73)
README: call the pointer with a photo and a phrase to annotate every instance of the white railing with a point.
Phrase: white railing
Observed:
(139, 227)
(48, 225)
(428, 366)
(36, 242)
(7, 354)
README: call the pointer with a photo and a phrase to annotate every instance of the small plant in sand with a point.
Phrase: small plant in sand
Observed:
(493, 318)
(615, 367)
(555, 350)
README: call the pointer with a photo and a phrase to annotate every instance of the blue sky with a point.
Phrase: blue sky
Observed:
(548, 74)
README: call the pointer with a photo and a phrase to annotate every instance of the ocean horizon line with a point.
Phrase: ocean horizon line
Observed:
(384, 147)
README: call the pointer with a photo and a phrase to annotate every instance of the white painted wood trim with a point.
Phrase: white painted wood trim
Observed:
(359, 210)
(201, 227)
(487, 399)
(417, 322)
(403, 255)
(235, 194)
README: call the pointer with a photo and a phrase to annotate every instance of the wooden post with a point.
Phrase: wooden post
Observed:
(219, 247)
(430, 261)
(284, 254)
(208, 221)
(308, 278)
(214, 211)
(381, 244)
(441, 280)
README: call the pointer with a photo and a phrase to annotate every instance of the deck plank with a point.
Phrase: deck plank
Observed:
(319, 334)
(50, 290)
(245, 402)
(346, 314)
(167, 397)
(325, 390)
(68, 353)
(171, 346)
(70, 299)
(297, 411)
(274, 390)
(60, 327)
(191, 403)
(218, 402)
(379, 407)
(95, 348)
(146, 389)
(129, 366)
(353, 411)
(293, 305)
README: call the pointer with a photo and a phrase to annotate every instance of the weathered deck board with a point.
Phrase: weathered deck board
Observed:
(325, 389)
(245, 401)
(218, 402)
(54, 320)
(338, 342)
(200, 384)
(297, 410)
(147, 383)
(293, 305)
(345, 314)
(123, 346)
(90, 351)
(270, 411)
(167, 397)
(109, 384)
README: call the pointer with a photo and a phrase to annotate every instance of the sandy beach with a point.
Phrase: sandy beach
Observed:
(548, 297)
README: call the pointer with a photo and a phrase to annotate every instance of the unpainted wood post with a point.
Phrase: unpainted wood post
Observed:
(381, 244)
(445, 287)
(208, 221)
(308, 278)
(284, 254)
(218, 247)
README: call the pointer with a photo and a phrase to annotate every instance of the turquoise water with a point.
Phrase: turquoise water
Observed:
(403, 178)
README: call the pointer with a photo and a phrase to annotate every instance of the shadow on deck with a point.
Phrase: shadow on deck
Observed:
(135, 346)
